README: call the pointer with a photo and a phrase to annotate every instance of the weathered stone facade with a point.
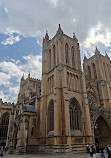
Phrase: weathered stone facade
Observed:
(98, 85)
(67, 108)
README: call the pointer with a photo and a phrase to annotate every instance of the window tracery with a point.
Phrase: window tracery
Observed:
(4, 125)
(54, 51)
(50, 59)
(66, 53)
(91, 100)
(74, 118)
(89, 72)
(73, 58)
(94, 71)
(51, 116)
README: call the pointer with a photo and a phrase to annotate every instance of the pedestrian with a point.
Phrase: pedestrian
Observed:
(1, 152)
(109, 151)
(5, 149)
(97, 151)
(93, 151)
(88, 150)
(102, 152)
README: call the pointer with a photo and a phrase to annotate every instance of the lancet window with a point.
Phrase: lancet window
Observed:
(73, 58)
(54, 51)
(74, 115)
(51, 116)
(94, 71)
(89, 72)
(66, 53)
(50, 59)
(4, 125)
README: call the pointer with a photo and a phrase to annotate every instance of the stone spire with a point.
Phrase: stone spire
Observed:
(59, 31)
(97, 51)
(46, 35)
(74, 37)
(85, 57)
(106, 55)
(29, 75)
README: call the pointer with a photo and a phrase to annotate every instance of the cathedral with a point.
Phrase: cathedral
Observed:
(64, 111)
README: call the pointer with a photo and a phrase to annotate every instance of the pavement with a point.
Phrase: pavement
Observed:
(46, 156)
(82, 155)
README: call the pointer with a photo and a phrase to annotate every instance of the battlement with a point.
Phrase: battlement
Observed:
(5, 103)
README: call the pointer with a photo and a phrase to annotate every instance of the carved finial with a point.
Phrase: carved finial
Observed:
(85, 57)
(73, 34)
(97, 51)
(96, 48)
(106, 55)
(29, 75)
(59, 32)
(46, 35)
(59, 29)
(74, 37)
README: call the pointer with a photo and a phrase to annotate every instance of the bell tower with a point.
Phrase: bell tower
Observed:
(63, 110)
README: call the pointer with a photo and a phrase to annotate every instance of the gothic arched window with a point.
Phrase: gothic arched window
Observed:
(89, 72)
(50, 59)
(4, 125)
(104, 66)
(91, 100)
(109, 74)
(94, 71)
(73, 58)
(66, 53)
(54, 51)
(74, 115)
(50, 119)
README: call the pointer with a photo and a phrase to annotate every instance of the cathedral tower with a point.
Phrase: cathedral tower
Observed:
(98, 84)
(64, 114)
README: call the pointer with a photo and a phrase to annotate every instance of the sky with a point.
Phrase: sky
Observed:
(23, 24)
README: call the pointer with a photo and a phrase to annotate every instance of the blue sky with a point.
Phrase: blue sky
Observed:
(24, 23)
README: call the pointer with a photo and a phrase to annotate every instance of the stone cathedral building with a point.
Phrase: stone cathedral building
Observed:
(67, 108)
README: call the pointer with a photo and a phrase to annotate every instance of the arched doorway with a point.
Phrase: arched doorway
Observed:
(102, 131)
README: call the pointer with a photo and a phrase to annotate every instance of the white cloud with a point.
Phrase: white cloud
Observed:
(95, 36)
(54, 2)
(31, 16)
(34, 65)
(11, 40)
(4, 79)
(10, 31)
(34, 17)
(11, 73)
(2, 95)
(6, 10)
